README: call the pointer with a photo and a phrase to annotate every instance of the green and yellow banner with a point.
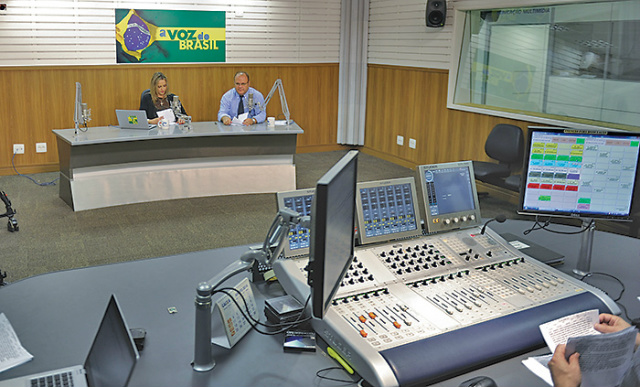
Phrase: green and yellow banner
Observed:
(152, 36)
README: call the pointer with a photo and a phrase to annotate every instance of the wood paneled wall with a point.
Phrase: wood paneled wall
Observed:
(412, 102)
(400, 101)
(36, 100)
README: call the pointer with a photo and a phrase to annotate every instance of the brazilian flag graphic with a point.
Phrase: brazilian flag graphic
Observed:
(149, 36)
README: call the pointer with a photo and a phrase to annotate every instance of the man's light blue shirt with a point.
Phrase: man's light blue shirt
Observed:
(229, 105)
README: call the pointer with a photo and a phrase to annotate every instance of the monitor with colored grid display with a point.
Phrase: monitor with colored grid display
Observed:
(580, 173)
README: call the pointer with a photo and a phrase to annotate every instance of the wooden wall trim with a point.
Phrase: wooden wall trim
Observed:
(423, 69)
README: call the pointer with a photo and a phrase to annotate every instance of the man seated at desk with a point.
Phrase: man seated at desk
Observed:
(235, 102)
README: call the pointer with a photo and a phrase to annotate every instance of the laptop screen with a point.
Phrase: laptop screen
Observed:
(113, 353)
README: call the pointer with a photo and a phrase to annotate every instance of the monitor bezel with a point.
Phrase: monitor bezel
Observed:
(318, 260)
(280, 198)
(574, 214)
(364, 239)
(437, 223)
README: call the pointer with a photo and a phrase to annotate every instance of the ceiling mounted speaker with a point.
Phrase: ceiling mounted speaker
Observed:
(436, 13)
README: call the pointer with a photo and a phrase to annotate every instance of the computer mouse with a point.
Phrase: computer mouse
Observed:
(479, 381)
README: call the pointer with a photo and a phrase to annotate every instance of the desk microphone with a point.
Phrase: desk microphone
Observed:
(175, 104)
(86, 113)
(250, 101)
(500, 219)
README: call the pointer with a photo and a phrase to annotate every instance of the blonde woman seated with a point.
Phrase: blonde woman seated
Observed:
(158, 98)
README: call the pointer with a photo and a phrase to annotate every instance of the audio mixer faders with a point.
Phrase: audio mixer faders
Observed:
(457, 298)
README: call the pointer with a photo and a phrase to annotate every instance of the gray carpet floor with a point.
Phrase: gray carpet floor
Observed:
(53, 237)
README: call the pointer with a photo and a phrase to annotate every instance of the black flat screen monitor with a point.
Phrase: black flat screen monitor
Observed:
(332, 231)
(387, 210)
(579, 173)
(450, 196)
(299, 237)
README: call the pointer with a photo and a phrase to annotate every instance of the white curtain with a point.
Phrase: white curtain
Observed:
(352, 91)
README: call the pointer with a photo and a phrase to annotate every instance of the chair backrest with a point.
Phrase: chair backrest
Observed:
(142, 95)
(506, 144)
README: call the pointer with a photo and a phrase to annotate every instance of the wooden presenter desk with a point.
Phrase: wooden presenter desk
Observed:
(107, 166)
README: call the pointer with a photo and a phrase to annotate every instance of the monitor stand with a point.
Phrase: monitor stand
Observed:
(583, 267)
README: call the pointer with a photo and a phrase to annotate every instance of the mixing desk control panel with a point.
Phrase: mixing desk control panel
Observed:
(409, 298)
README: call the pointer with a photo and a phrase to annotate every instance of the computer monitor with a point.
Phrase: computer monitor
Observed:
(586, 174)
(299, 237)
(387, 210)
(450, 196)
(579, 173)
(332, 231)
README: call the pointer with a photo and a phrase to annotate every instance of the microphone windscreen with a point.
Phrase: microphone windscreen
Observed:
(501, 218)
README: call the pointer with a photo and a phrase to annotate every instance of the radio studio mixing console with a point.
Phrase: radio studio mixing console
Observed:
(425, 308)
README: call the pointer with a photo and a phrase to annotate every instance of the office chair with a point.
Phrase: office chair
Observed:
(142, 95)
(12, 224)
(505, 144)
(512, 182)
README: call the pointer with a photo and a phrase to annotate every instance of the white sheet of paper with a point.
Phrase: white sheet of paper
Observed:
(168, 114)
(12, 353)
(604, 359)
(240, 119)
(580, 324)
(538, 365)
(519, 245)
(634, 376)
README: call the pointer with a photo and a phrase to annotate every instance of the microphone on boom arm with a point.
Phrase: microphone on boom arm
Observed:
(250, 101)
(500, 219)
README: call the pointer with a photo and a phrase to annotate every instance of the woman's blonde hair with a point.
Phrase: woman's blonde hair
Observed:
(157, 77)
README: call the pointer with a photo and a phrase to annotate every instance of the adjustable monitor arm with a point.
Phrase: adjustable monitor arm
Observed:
(272, 247)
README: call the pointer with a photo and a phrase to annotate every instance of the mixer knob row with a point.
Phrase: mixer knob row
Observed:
(442, 278)
(413, 251)
(456, 219)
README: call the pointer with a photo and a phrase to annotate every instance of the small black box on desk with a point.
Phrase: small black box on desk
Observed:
(282, 309)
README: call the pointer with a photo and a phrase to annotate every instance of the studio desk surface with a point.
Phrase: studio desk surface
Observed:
(108, 166)
(56, 316)
(110, 134)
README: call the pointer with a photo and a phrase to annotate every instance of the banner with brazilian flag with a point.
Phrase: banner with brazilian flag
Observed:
(154, 36)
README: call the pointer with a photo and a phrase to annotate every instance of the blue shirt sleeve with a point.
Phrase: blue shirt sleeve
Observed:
(227, 108)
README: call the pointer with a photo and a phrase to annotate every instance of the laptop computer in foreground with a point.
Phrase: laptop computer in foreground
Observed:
(133, 119)
(110, 361)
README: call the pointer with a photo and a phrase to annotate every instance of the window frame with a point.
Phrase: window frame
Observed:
(460, 13)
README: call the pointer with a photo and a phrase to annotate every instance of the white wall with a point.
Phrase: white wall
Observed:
(53, 32)
(79, 32)
(398, 35)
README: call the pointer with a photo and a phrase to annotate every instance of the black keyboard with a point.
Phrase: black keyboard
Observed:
(64, 379)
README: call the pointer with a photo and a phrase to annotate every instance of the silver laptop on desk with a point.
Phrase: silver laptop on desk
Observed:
(133, 119)
(109, 363)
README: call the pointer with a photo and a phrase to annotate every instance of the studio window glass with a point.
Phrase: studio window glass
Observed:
(575, 63)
